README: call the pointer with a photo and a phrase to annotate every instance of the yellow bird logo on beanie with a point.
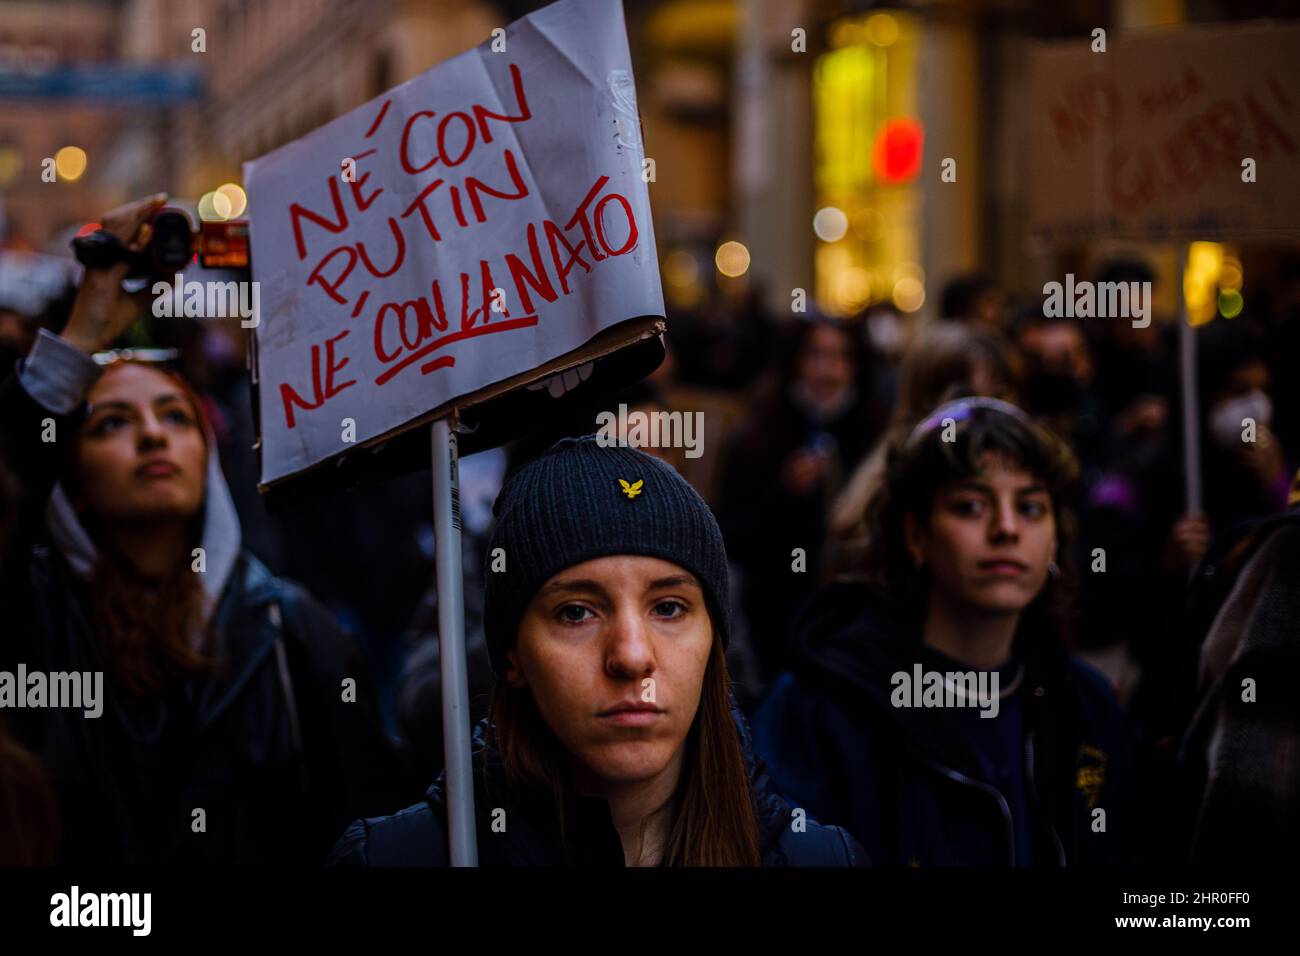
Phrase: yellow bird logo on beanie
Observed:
(631, 490)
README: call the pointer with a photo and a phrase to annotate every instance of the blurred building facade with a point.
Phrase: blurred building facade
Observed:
(276, 69)
(863, 153)
(815, 133)
(40, 37)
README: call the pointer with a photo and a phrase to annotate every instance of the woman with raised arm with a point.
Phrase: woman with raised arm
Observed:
(220, 729)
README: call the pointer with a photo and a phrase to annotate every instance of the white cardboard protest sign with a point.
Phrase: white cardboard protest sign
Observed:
(1147, 140)
(475, 223)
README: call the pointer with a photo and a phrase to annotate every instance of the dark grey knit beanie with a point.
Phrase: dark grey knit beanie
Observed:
(570, 505)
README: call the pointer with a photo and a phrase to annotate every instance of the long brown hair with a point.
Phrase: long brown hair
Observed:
(714, 822)
(146, 626)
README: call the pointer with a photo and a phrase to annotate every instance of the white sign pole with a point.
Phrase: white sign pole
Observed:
(1191, 411)
(451, 646)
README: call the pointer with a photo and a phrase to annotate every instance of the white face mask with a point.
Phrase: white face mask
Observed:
(1226, 418)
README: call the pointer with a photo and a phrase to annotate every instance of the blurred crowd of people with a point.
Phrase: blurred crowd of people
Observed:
(803, 416)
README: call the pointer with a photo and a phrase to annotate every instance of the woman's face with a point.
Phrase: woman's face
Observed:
(826, 363)
(989, 541)
(141, 454)
(614, 652)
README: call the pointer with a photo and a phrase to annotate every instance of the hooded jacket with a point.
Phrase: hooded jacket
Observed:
(531, 835)
(259, 759)
(908, 782)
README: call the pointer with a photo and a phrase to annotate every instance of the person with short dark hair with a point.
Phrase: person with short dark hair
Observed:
(976, 299)
(967, 561)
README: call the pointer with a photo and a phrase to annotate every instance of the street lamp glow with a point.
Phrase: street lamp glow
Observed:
(830, 224)
(237, 198)
(70, 163)
(909, 270)
(851, 289)
(1230, 276)
(221, 205)
(881, 29)
(1230, 303)
(11, 164)
(681, 269)
(207, 208)
(732, 259)
(909, 294)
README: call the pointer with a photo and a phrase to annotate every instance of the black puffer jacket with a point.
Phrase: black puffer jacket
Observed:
(264, 745)
(417, 836)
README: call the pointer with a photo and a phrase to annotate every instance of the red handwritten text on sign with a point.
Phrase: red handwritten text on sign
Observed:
(406, 332)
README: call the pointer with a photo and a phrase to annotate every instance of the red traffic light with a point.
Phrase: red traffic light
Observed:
(896, 157)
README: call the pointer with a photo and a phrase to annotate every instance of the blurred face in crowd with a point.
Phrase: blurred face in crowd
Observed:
(989, 540)
(826, 364)
(1057, 367)
(985, 379)
(1057, 348)
(1245, 396)
(141, 454)
(614, 651)
(1251, 376)
(990, 309)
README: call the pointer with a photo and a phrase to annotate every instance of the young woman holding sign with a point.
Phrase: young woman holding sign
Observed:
(221, 701)
(611, 738)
